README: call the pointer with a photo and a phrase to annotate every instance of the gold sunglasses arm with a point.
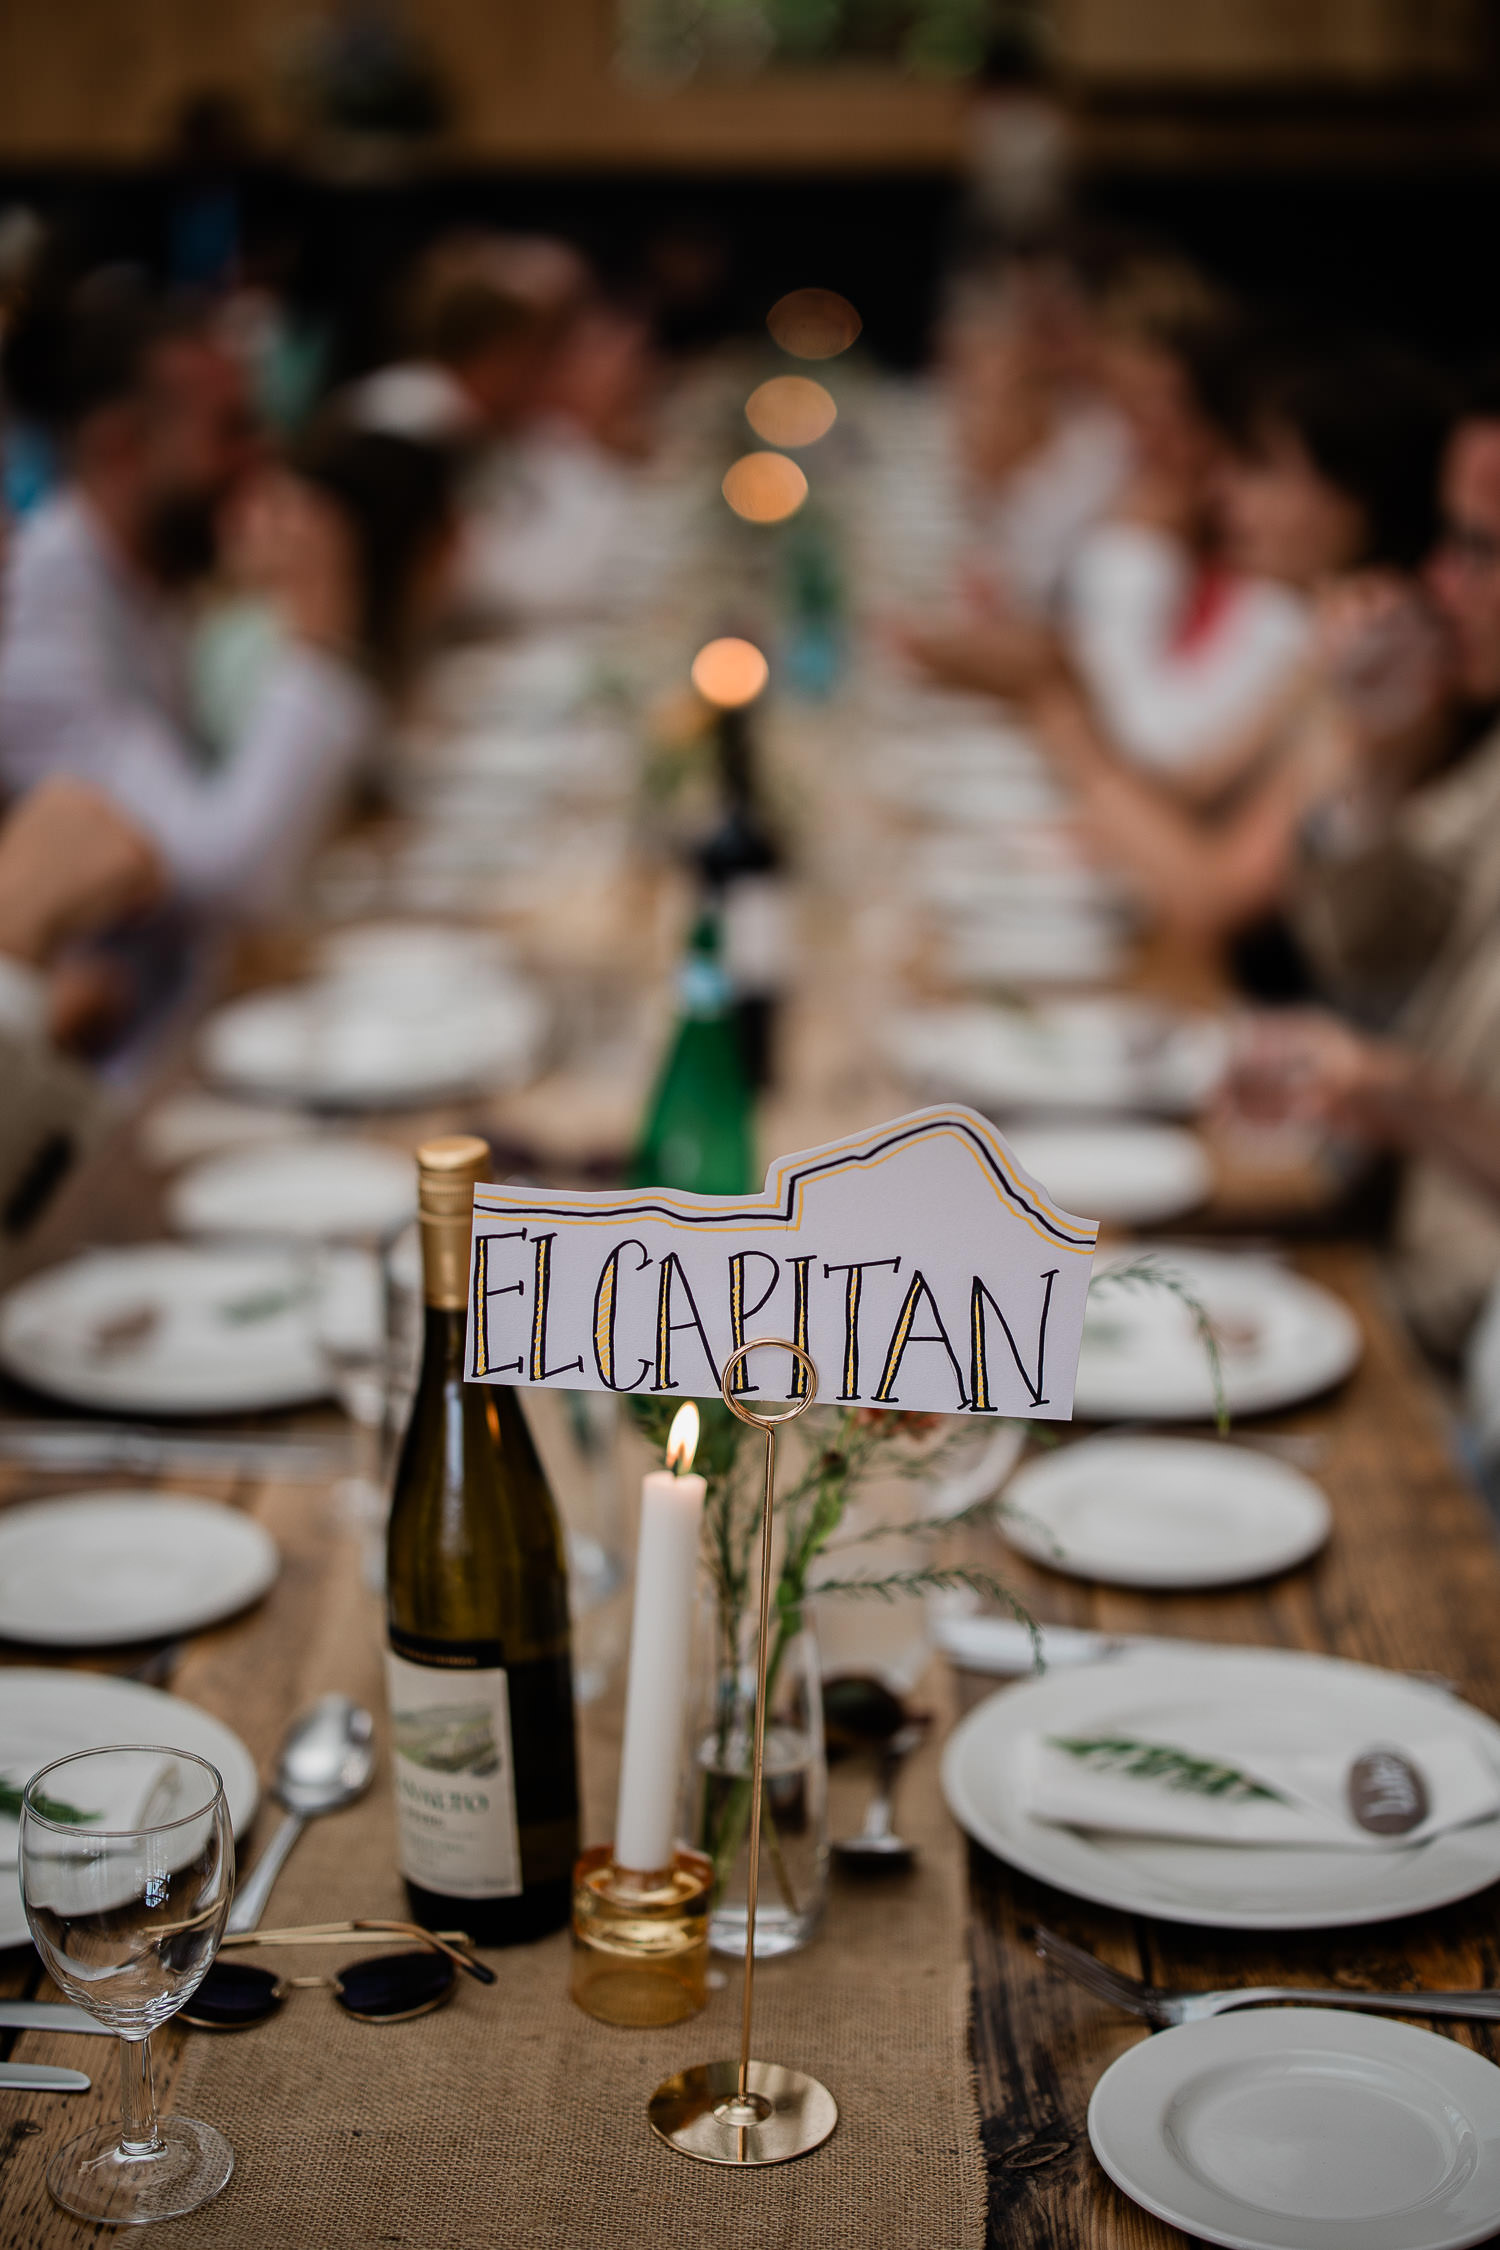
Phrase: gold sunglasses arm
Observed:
(448, 1942)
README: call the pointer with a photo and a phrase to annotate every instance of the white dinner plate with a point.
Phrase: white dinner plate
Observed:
(1164, 1512)
(314, 1189)
(50, 1714)
(1281, 1338)
(1123, 1171)
(1305, 2129)
(345, 1043)
(94, 1568)
(167, 1328)
(404, 953)
(1108, 1051)
(1218, 1886)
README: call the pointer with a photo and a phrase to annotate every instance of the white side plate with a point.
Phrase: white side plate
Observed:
(1305, 2129)
(1149, 1511)
(102, 1567)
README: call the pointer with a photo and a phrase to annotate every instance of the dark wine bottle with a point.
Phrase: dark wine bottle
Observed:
(479, 1667)
(742, 868)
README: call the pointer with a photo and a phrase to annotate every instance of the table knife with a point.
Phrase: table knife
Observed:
(1003, 1647)
(41, 2078)
(74, 1448)
(48, 2015)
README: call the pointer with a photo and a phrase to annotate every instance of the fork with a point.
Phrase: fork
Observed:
(1160, 2008)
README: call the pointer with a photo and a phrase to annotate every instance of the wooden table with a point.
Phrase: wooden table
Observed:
(1410, 1580)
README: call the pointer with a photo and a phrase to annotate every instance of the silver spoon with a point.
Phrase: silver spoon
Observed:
(326, 1762)
(877, 1846)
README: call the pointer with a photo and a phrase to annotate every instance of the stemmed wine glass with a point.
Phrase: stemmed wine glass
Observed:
(127, 1870)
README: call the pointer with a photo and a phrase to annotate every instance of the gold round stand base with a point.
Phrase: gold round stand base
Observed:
(695, 2112)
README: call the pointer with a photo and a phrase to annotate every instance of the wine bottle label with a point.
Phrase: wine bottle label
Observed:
(455, 1779)
(756, 934)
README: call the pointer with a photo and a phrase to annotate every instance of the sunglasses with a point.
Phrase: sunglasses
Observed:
(393, 1988)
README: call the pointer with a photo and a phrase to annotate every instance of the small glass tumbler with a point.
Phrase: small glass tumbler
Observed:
(127, 1871)
(640, 1942)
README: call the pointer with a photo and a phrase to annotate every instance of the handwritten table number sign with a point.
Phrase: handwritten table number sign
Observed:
(917, 1263)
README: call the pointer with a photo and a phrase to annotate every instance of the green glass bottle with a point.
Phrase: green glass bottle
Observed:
(699, 1131)
(479, 1665)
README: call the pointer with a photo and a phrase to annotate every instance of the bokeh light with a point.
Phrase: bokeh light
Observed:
(729, 672)
(764, 487)
(813, 323)
(791, 410)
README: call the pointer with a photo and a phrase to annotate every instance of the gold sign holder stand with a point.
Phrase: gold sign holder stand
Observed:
(746, 2112)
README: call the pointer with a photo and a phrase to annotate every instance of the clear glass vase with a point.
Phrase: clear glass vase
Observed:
(794, 1803)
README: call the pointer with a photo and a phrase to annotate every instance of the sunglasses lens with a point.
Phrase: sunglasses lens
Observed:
(397, 1984)
(232, 1995)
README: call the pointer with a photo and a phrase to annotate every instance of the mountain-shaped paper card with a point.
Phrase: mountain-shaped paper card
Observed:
(918, 1263)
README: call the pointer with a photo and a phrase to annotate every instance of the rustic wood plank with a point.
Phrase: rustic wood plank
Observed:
(1409, 1580)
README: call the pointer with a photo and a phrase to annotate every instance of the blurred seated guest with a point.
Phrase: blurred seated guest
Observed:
(548, 531)
(483, 315)
(93, 643)
(1390, 875)
(1043, 453)
(1432, 1098)
(393, 498)
(70, 863)
(1182, 650)
(545, 392)
(1332, 491)
(1397, 899)
(1184, 646)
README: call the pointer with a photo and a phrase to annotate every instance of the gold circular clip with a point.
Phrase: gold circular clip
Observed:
(794, 1406)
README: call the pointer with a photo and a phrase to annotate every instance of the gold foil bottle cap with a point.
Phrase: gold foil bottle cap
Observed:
(446, 1172)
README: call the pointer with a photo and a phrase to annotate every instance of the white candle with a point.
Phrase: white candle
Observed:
(666, 1574)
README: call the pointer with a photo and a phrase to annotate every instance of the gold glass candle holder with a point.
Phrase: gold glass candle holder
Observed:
(640, 1942)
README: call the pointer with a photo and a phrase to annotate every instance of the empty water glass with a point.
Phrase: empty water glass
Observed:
(127, 1870)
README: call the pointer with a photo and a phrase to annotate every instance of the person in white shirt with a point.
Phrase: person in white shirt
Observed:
(1182, 653)
(163, 454)
(70, 863)
(482, 316)
(544, 391)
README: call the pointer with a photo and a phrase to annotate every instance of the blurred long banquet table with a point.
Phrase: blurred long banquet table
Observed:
(962, 2064)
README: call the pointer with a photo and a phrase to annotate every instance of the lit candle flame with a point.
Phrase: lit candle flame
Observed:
(682, 1439)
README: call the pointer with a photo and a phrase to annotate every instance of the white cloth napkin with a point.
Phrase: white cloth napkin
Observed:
(1311, 1805)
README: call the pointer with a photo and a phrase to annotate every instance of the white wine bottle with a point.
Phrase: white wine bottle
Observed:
(479, 1666)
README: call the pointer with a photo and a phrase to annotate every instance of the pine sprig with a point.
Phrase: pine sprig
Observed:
(978, 1513)
(1160, 1761)
(12, 1801)
(941, 1579)
(1149, 1273)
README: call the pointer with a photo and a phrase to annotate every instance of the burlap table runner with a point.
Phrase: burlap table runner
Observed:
(511, 2121)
